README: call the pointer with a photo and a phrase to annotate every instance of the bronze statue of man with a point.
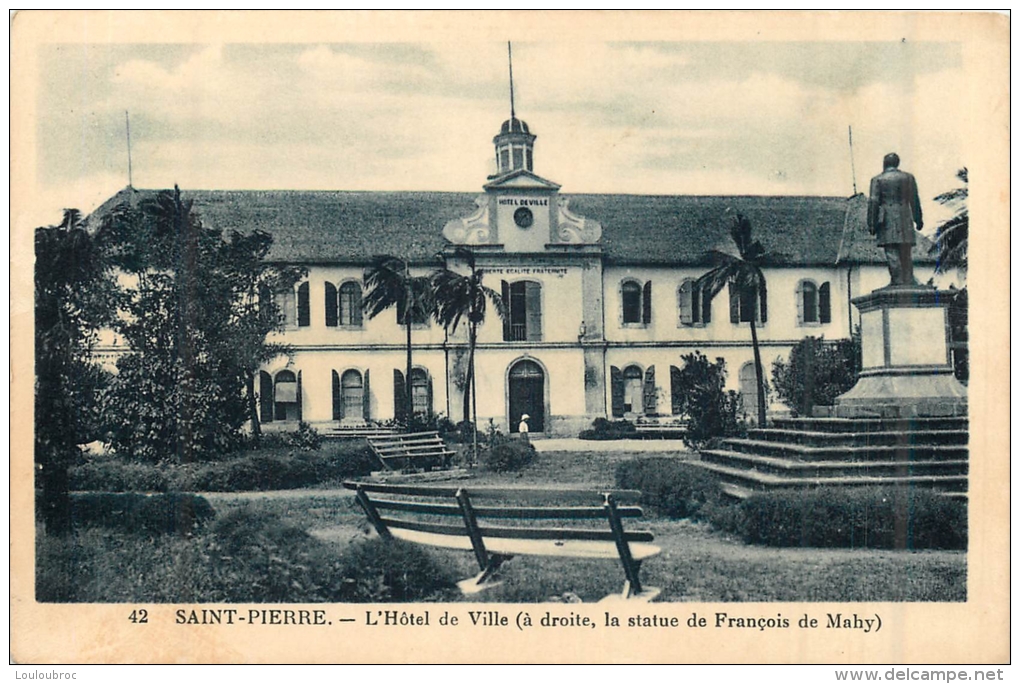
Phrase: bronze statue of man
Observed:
(893, 210)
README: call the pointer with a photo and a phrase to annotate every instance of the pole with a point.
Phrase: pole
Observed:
(510, 58)
(127, 125)
(853, 172)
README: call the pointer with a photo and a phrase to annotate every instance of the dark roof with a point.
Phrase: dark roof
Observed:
(349, 227)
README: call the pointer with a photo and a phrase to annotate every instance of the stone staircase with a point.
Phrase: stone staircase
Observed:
(844, 452)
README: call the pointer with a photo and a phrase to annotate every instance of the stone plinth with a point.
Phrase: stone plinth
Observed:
(907, 368)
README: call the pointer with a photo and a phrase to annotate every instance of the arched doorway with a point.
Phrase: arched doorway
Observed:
(352, 395)
(527, 395)
(633, 389)
(286, 396)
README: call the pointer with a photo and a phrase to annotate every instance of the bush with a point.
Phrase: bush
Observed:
(712, 412)
(505, 454)
(873, 517)
(674, 488)
(305, 437)
(462, 433)
(170, 513)
(378, 570)
(117, 476)
(271, 469)
(817, 372)
(602, 430)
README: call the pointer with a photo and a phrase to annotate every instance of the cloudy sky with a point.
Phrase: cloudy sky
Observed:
(648, 118)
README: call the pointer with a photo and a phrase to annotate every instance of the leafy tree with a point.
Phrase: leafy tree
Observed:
(458, 297)
(711, 410)
(389, 283)
(951, 238)
(196, 327)
(74, 297)
(738, 264)
(817, 372)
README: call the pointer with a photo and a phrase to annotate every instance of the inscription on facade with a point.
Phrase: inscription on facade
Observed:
(522, 202)
(560, 272)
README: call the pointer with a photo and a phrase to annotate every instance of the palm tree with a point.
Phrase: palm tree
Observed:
(739, 265)
(389, 283)
(465, 296)
(951, 238)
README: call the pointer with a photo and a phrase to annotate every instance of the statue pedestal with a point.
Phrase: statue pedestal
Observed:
(907, 369)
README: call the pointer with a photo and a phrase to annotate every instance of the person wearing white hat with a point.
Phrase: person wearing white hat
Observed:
(523, 426)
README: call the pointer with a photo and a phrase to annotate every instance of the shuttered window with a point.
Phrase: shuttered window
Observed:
(630, 293)
(304, 313)
(350, 305)
(824, 304)
(330, 304)
(524, 305)
(690, 302)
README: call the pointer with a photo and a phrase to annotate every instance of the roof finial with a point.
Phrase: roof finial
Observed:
(510, 57)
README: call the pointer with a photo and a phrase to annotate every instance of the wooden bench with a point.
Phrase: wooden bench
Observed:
(460, 518)
(411, 451)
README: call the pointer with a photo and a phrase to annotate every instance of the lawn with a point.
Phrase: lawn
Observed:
(697, 564)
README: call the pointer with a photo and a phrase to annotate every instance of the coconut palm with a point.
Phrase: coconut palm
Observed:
(738, 265)
(389, 283)
(465, 296)
(951, 239)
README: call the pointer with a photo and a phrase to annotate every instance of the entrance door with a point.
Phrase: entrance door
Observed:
(527, 396)
(352, 393)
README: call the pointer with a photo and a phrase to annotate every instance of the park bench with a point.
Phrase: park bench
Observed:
(587, 524)
(411, 451)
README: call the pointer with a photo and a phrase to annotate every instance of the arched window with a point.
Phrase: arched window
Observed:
(286, 396)
(745, 306)
(813, 303)
(633, 389)
(636, 302)
(523, 300)
(287, 308)
(748, 380)
(421, 392)
(350, 304)
(694, 304)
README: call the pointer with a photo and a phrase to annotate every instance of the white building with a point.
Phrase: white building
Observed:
(599, 291)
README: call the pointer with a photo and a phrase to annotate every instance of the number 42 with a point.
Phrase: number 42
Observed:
(140, 616)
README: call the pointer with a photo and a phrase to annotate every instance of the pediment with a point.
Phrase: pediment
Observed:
(521, 179)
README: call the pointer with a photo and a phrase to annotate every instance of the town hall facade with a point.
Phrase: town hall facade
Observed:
(600, 292)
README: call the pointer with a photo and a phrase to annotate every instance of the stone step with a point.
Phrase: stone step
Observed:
(871, 424)
(821, 439)
(739, 493)
(905, 452)
(828, 469)
(756, 480)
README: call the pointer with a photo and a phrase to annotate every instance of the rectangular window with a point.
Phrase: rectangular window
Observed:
(524, 308)
(518, 158)
(631, 295)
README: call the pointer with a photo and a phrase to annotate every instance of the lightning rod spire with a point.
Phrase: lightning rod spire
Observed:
(510, 58)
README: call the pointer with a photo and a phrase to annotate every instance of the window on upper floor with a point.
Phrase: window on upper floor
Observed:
(636, 302)
(523, 301)
(304, 311)
(745, 306)
(349, 313)
(286, 306)
(418, 316)
(694, 304)
(813, 303)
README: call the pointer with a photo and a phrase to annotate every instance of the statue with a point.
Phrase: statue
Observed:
(893, 209)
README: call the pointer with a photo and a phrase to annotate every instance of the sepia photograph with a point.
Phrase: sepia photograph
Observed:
(419, 327)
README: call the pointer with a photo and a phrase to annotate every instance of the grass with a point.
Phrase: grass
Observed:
(697, 563)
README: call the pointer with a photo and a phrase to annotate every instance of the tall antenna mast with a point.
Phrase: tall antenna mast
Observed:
(510, 57)
(127, 125)
(853, 172)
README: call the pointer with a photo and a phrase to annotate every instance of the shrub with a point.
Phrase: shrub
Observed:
(711, 411)
(462, 433)
(817, 372)
(505, 454)
(114, 475)
(278, 469)
(378, 570)
(305, 437)
(168, 513)
(674, 488)
(602, 430)
(873, 517)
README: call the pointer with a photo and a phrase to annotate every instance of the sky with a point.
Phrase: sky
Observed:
(705, 118)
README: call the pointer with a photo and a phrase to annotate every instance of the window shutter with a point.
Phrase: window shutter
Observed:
(764, 309)
(824, 304)
(505, 294)
(616, 389)
(706, 306)
(676, 398)
(533, 309)
(399, 397)
(331, 302)
(300, 416)
(800, 303)
(367, 399)
(646, 304)
(303, 308)
(356, 318)
(734, 304)
(430, 395)
(338, 404)
(649, 400)
(265, 397)
(685, 302)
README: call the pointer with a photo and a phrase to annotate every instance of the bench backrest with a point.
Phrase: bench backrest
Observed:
(416, 449)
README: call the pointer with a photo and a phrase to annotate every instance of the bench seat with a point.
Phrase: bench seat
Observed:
(570, 548)
(417, 450)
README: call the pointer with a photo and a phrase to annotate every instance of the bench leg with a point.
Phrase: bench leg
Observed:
(486, 579)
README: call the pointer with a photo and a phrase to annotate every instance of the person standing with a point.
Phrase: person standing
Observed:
(522, 427)
(893, 210)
